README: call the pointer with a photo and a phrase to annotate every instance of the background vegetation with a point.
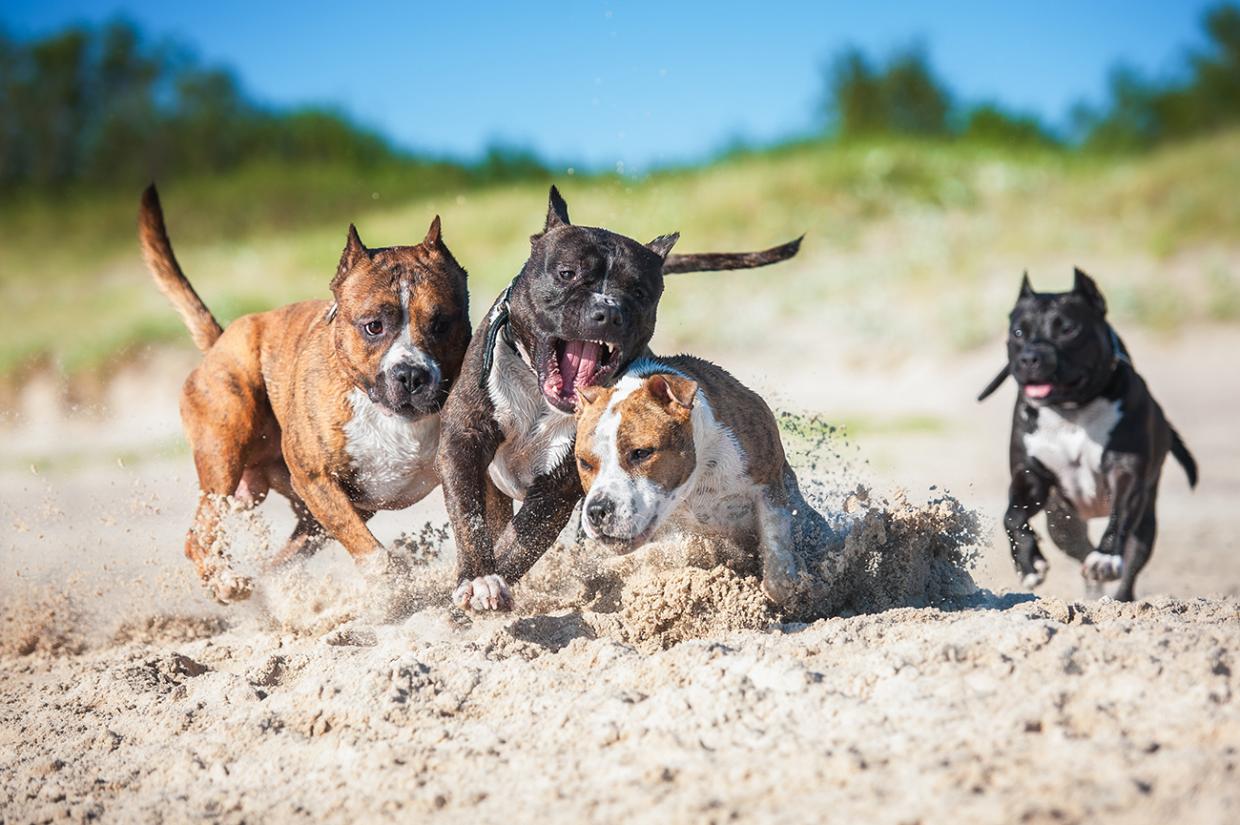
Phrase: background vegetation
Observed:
(909, 194)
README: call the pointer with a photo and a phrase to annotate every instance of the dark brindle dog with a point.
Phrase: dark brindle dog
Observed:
(581, 309)
(1088, 438)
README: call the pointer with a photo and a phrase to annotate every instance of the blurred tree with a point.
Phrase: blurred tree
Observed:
(99, 106)
(1142, 113)
(902, 97)
(991, 123)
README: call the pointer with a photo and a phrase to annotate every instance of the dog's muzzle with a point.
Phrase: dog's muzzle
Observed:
(409, 385)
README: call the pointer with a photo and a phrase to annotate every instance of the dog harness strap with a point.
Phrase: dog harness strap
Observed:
(499, 324)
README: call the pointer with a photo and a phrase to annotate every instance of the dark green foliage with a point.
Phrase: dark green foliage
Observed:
(100, 106)
(991, 123)
(902, 97)
(1204, 97)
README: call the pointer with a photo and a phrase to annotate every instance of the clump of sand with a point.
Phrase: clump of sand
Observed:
(41, 621)
(664, 607)
(897, 554)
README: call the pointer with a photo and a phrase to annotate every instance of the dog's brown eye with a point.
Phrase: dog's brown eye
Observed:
(640, 454)
(373, 328)
(585, 465)
(439, 325)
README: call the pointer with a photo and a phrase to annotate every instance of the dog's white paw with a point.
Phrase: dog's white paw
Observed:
(1102, 567)
(1032, 580)
(483, 593)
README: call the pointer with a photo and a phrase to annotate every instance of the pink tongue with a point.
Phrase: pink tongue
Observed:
(1038, 390)
(578, 366)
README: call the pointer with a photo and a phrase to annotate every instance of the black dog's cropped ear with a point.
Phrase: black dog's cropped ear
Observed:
(995, 383)
(1026, 288)
(1084, 286)
(557, 211)
(663, 244)
(354, 252)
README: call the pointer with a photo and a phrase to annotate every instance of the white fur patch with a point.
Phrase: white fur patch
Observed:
(394, 458)
(1070, 444)
(537, 436)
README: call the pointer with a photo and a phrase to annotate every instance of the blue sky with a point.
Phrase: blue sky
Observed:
(638, 83)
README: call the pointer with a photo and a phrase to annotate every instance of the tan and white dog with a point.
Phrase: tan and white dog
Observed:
(678, 444)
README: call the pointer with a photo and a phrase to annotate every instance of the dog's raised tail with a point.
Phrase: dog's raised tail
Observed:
(1182, 455)
(157, 250)
(715, 261)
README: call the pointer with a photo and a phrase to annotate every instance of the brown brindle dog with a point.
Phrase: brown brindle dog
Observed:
(334, 404)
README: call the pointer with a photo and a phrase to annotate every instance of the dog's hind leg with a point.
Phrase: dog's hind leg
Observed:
(1070, 533)
(307, 537)
(1137, 551)
(218, 475)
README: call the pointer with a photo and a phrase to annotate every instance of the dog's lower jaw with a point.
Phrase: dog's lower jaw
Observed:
(484, 593)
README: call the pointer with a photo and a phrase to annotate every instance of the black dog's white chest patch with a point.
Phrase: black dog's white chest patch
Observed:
(1070, 444)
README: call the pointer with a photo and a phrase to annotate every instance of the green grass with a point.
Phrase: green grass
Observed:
(908, 245)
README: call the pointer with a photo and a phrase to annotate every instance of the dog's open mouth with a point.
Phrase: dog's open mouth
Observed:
(1038, 390)
(572, 365)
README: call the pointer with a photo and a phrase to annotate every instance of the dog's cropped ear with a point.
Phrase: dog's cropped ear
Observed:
(672, 389)
(663, 244)
(995, 383)
(1084, 286)
(354, 252)
(434, 238)
(557, 211)
(1026, 288)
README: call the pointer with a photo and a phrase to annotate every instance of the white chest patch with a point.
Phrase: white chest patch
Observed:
(537, 437)
(393, 458)
(1070, 444)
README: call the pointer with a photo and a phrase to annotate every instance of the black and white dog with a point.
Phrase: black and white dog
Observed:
(1088, 438)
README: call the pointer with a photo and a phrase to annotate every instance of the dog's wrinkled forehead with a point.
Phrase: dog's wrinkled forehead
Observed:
(596, 252)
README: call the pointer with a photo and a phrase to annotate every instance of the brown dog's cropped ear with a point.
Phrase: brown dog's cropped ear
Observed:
(354, 252)
(1084, 286)
(557, 211)
(671, 389)
(1026, 288)
(663, 244)
(433, 236)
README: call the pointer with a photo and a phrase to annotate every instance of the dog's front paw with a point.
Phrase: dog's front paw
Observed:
(781, 583)
(1102, 567)
(483, 593)
(1037, 576)
(227, 587)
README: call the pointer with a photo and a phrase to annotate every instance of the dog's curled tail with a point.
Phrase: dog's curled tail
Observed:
(1182, 455)
(715, 261)
(157, 250)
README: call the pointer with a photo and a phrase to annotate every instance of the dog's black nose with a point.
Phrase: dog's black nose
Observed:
(599, 510)
(413, 379)
(606, 312)
(1035, 361)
